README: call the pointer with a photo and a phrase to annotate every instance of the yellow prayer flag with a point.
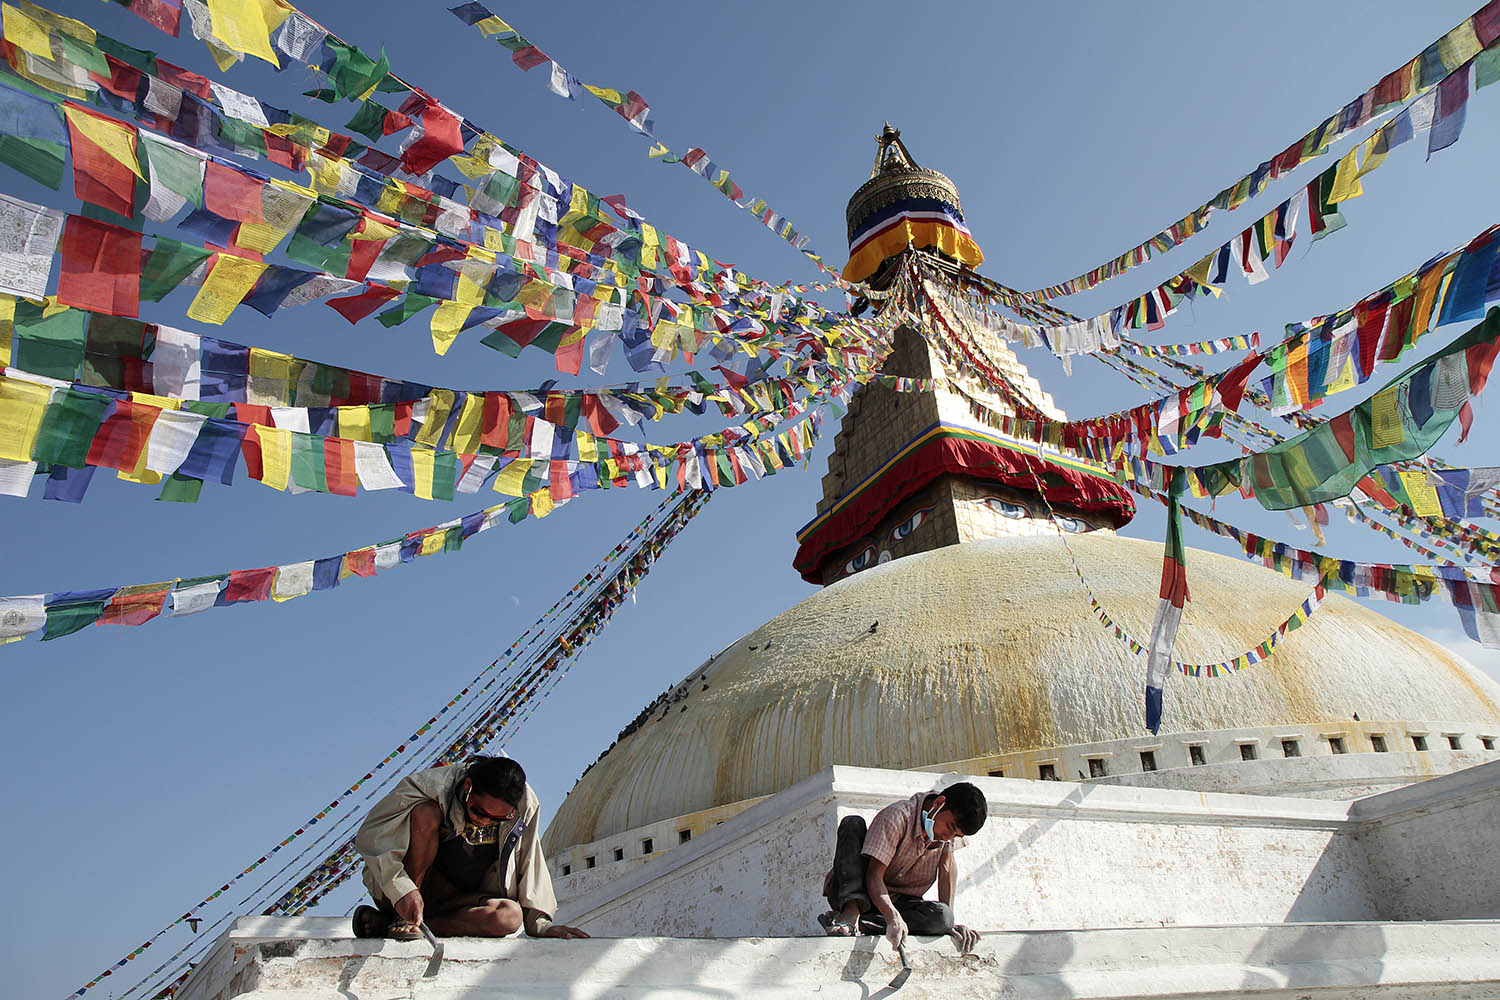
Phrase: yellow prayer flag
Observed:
(275, 455)
(541, 503)
(1345, 379)
(432, 542)
(492, 25)
(229, 281)
(160, 402)
(439, 405)
(258, 236)
(1459, 45)
(241, 25)
(22, 406)
(1385, 420)
(26, 32)
(117, 141)
(447, 323)
(1369, 155)
(588, 449)
(466, 430)
(510, 480)
(605, 94)
(66, 25)
(422, 462)
(7, 328)
(271, 378)
(1346, 180)
(354, 423)
(1424, 498)
(494, 239)
(140, 474)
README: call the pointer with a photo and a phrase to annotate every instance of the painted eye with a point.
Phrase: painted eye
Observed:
(1006, 508)
(861, 561)
(909, 525)
(1074, 524)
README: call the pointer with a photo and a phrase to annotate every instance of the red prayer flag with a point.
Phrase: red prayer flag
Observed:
(118, 442)
(248, 585)
(338, 466)
(356, 307)
(495, 420)
(360, 562)
(232, 193)
(99, 178)
(529, 58)
(101, 267)
(441, 138)
(133, 609)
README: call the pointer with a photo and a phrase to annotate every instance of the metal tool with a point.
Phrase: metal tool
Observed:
(436, 962)
(905, 973)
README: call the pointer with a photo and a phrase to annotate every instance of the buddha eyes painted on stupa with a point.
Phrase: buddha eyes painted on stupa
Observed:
(864, 560)
(1073, 524)
(1007, 508)
(906, 527)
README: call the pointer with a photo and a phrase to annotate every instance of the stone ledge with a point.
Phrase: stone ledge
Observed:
(291, 959)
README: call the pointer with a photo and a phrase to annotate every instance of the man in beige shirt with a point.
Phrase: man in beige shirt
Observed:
(881, 873)
(458, 847)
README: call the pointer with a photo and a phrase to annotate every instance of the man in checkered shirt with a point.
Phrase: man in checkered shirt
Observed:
(881, 873)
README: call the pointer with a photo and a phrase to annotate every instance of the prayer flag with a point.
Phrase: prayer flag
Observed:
(1173, 595)
(104, 161)
(101, 267)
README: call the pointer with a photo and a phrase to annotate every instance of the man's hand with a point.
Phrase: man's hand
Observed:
(967, 938)
(895, 929)
(562, 931)
(409, 907)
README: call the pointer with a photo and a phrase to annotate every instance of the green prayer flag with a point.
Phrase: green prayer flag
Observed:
(353, 72)
(167, 265)
(1487, 67)
(68, 427)
(69, 616)
(178, 488)
(308, 469)
(38, 159)
(412, 304)
(368, 121)
(176, 169)
(51, 346)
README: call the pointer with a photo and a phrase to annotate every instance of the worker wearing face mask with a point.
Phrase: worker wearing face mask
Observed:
(882, 871)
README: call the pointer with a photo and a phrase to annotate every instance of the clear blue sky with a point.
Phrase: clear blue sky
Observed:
(146, 766)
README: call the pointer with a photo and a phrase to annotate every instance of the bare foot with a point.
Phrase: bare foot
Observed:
(834, 925)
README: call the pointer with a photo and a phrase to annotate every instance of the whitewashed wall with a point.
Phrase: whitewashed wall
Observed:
(1054, 854)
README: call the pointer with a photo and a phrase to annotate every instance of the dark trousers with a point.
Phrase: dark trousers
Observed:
(846, 884)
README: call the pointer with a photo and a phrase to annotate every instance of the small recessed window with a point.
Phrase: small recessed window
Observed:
(619, 854)
(1049, 772)
(997, 774)
(1247, 751)
(1454, 743)
(1148, 760)
(588, 862)
(1488, 742)
(1336, 745)
(1195, 754)
(683, 836)
(1290, 748)
(1377, 743)
(567, 869)
(1096, 767)
(1419, 742)
(646, 846)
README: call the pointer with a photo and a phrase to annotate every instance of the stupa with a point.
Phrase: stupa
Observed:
(1321, 825)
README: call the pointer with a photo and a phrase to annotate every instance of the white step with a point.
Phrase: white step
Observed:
(263, 958)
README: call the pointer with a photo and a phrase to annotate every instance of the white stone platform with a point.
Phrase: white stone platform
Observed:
(305, 958)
